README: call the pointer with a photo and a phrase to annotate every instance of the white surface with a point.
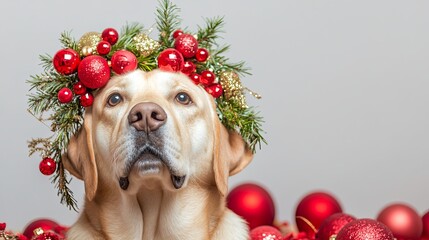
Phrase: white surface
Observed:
(344, 84)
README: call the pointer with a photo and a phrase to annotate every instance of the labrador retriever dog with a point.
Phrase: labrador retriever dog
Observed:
(155, 161)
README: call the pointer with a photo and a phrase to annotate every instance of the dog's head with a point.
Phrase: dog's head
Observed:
(156, 125)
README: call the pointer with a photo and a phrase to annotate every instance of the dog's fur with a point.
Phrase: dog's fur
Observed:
(149, 182)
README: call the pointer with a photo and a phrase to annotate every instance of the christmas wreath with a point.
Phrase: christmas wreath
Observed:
(65, 88)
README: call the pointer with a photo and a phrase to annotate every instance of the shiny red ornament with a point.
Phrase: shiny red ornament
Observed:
(103, 47)
(47, 166)
(86, 100)
(425, 221)
(265, 233)
(65, 95)
(202, 54)
(403, 220)
(177, 33)
(365, 229)
(188, 67)
(207, 77)
(195, 77)
(313, 209)
(186, 44)
(332, 225)
(2, 226)
(66, 61)
(215, 90)
(45, 224)
(94, 71)
(110, 35)
(253, 203)
(170, 60)
(123, 61)
(79, 88)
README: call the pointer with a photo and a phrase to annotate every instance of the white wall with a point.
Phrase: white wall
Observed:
(345, 88)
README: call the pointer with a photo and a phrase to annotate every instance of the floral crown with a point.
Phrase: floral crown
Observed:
(65, 88)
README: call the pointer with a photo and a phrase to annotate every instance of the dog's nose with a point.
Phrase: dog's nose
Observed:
(147, 117)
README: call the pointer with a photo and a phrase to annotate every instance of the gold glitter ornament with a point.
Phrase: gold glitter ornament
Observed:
(232, 88)
(145, 45)
(87, 44)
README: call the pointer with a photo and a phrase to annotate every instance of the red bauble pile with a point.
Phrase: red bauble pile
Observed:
(170, 60)
(332, 225)
(403, 220)
(94, 71)
(66, 61)
(253, 203)
(47, 166)
(313, 209)
(365, 229)
(265, 233)
(123, 61)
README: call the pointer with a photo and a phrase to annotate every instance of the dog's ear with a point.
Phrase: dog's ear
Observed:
(231, 155)
(79, 159)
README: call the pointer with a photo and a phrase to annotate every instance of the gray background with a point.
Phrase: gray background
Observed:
(344, 84)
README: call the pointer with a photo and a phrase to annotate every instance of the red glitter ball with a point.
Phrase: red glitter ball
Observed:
(123, 61)
(79, 88)
(86, 100)
(110, 35)
(195, 77)
(332, 225)
(207, 77)
(103, 47)
(66, 61)
(215, 90)
(188, 67)
(365, 229)
(47, 166)
(265, 233)
(186, 44)
(94, 71)
(65, 95)
(170, 60)
(177, 33)
(202, 54)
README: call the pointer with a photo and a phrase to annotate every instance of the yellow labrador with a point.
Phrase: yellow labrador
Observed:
(155, 162)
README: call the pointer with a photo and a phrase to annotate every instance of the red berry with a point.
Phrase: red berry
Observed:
(66, 61)
(170, 60)
(195, 77)
(79, 88)
(186, 44)
(47, 166)
(86, 100)
(65, 95)
(188, 67)
(123, 61)
(202, 54)
(103, 47)
(177, 33)
(110, 35)
(215, 90)
(207, 77)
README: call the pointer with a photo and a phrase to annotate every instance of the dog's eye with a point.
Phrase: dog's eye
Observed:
(114, 99)
(183, 98)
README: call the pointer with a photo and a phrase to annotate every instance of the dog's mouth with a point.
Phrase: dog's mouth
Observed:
(150, 160)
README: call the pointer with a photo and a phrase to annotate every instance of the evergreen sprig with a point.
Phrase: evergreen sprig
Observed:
(167, 21)
(208, 35)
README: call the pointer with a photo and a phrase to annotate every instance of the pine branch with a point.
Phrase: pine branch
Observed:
(67, 41)
(208, 35)
(167, 21)
(61, 182)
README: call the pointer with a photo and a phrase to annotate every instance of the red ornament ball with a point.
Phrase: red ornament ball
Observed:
(65, 95)
(47, 236)
(186, 44)
(265, 233)
(170, 60)
(123, 61)
(45, 224)
(332, 225)
(103, 47)
(403, 220)
(177, 33)
(110, 35)
(188, 67)
(79, 88)
(2, 226)
(207, 77)
(195, 77)
(202, 54)
(94, 71)
(253, 203)
(215, 90)
(313, 209)
(66, 61)
(86, 100)
(47, 166)
(425, 221)
(365, 229)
